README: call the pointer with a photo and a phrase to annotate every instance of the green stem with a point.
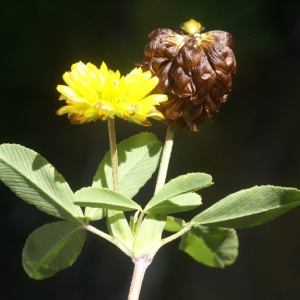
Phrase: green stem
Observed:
(116, 221)
(113, 152)
(175, 235)
(108, 238)
(165, 159)
(141, 263)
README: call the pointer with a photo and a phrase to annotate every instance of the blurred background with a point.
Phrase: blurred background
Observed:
(254, 140)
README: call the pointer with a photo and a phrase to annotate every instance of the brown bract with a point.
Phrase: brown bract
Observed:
(194, 70)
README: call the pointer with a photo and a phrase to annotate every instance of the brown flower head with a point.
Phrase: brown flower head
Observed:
(194, 70)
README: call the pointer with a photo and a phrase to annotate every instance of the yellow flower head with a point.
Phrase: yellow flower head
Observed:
(93, 93)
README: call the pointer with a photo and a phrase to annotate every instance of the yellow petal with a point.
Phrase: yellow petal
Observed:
(93, 93)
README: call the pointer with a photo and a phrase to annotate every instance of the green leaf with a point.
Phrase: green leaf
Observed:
(94, 214)
(214, 247)
(148, 239)
(104, 198)
(250, 207)
(51, 248)
(176, 204)
(36, 181)
(138, 159)
(180, 185)
(119, 228)
(174, 224)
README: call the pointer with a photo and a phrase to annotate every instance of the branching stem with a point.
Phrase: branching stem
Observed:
(140, 266)
(140, 263)
(108, 238)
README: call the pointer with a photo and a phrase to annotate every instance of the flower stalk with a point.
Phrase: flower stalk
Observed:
(165, 159)
(141, 263)
(113, 152)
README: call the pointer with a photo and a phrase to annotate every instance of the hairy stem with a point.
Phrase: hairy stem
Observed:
(165, 159)
(116, 221)
(113, 152)
(140, 266)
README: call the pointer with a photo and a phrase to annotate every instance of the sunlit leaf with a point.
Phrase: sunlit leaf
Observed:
(180, 185)
(183, 202)
(119, 228)
(104, 198)
(138, 159)
(93, 214)
(36, 181)
(250, 207)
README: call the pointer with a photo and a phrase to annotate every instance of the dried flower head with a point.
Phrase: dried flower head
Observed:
(194, 70)
(93, 93)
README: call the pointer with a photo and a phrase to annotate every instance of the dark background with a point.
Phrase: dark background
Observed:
(254, 140)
